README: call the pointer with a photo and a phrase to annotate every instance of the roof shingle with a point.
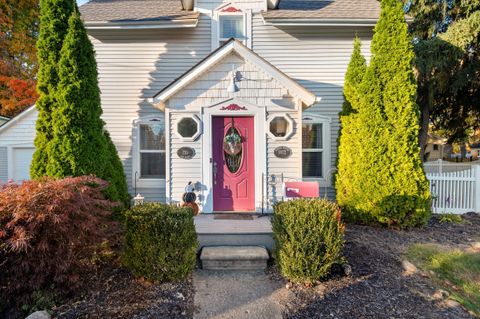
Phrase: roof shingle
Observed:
(325, 9)
(124, 11)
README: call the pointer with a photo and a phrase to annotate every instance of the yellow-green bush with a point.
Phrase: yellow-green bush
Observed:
(309, 238)
(160, 241)
(380, 176)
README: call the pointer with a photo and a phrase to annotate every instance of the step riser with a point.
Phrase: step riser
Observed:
(234, 265)
(265, 240)
(234, 257)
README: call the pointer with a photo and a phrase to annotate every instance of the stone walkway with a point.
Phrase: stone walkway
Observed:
(235, 294)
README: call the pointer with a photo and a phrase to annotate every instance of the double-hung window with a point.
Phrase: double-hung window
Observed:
(151, 150)
(315, 150)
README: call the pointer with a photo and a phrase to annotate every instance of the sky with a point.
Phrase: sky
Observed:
(80, 2)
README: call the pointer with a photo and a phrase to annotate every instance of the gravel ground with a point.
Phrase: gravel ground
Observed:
(379, 287)
(115, 293)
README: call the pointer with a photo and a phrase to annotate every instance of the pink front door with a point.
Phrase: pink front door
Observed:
(233, 164)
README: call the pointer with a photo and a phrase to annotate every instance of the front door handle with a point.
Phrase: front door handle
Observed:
(214, 173)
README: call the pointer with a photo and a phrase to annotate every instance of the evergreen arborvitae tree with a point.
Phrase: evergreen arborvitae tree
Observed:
(54, 15)
(348, 139)
(388, 185)
(79, 144)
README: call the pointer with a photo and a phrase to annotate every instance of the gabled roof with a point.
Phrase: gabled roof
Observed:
(139, 13)
(332, 12)
(307, 97)
(17, 117)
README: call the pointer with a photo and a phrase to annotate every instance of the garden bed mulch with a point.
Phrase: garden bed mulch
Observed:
(379, 286)
(115, 293)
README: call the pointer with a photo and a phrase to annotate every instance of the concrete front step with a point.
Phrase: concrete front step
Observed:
(234, 258)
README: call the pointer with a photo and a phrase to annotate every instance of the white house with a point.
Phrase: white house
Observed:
(235, 97)
(3, 120)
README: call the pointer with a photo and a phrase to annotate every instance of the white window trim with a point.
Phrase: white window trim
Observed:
(139, 182)
(196, 135)
(247, 26)
(326, 121)
(289, 130)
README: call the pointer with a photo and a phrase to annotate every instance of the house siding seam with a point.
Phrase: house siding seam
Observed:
(134, 65)
(3, 164)
(316, 57)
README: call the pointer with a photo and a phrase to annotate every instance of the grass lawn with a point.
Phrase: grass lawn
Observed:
(456, 271)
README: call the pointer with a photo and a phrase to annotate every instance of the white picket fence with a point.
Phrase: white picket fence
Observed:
(455, 187)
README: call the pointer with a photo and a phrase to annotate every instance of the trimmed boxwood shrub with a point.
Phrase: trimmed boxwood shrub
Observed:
(309, 238)
(160, 241)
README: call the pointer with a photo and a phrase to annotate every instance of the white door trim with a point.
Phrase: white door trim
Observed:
(260, 156)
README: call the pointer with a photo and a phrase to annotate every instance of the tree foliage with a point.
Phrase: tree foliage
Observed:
(54, 15)
(18, 61)
(387, 184)
(49, 232)
(77, 143)
(348, 142)
(447, 37)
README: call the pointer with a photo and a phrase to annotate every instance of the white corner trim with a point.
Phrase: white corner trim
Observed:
(307, 97)
(196, 135)
(289, 132)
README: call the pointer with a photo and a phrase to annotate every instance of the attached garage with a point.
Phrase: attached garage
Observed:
(16, 146)
(19, 163)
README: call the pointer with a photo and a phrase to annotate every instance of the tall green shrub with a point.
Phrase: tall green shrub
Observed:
(309, 238)
(79, 144)
(54, 15)
(388, 185)
(348, 139)
(160, 241)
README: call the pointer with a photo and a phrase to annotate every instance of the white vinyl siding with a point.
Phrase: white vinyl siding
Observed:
(257, 88)
(3, 165)
(317, 58)
(134, 65)
(182, 171)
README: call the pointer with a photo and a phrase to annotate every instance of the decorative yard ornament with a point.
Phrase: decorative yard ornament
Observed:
(138, 200)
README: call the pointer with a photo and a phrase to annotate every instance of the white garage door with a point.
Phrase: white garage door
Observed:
(21, 159)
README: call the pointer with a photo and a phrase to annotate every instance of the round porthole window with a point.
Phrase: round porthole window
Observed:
(188, 128)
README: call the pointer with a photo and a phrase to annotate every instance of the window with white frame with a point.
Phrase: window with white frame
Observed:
(280, 127)
(315, 154)
(151, 149)
(231, 26)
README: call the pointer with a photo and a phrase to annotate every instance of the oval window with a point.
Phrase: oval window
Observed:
(233, 149)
